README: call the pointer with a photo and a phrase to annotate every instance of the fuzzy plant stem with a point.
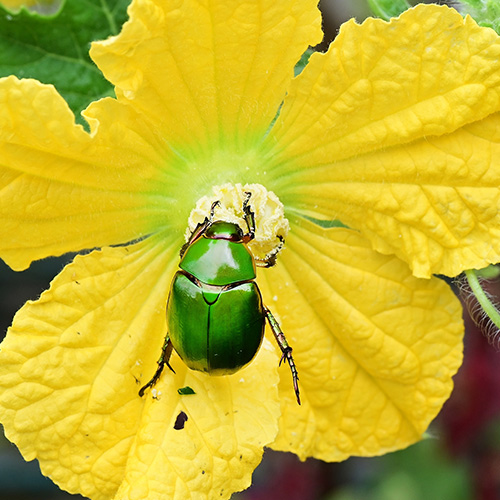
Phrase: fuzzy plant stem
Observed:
(488, 307)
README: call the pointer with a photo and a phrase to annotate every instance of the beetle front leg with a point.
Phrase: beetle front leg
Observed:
(249, 217)
(270, 259)
(200, 229)
(285, 349)
(166, 352)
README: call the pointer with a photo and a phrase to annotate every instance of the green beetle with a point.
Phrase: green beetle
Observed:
(215, 315)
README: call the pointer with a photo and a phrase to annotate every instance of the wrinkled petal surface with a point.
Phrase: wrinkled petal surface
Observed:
(65, 190)
(76, 358)
(375, 133)
(202, 69)
(375, 347)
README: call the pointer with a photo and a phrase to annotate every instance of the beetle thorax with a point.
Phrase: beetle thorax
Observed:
(223, 230)
(271, 225)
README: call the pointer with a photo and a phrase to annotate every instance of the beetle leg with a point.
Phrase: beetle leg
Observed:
(270, 259)
(212, 209)
(166, 352)
(200, 229)
(285, 349)
(249, 217)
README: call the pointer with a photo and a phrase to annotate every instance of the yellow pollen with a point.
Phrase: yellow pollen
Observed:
(270, 220)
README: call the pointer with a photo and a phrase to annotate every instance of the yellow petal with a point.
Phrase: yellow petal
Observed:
(380, 84)
(63, 189)
(375, 348)
(70, 370)
(208, 68)
(432, 202)
(372, 134)
(229, 421)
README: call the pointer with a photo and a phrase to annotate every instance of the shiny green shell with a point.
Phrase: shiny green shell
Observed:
(215, 316)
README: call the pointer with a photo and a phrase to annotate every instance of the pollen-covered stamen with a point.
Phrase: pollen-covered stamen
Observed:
(271, 225)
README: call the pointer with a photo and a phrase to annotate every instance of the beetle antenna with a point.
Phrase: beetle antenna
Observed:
(166, 352)
(285, 349)
(249, 217)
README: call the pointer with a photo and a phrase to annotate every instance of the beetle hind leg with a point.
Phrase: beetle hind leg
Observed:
(166, 352)
(285, 349)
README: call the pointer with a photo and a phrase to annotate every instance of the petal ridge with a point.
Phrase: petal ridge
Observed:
(348, 410)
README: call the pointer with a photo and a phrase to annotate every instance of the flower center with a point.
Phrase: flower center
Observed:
(271, 224)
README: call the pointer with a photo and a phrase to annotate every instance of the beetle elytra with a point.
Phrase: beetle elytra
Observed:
(215, 315)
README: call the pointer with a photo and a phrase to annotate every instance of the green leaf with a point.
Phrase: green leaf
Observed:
(184, 391)
(304, 59)
(489, 273)
(55, 49)
(388, 8)
(43, 7)
(326, 223)
(484, 12)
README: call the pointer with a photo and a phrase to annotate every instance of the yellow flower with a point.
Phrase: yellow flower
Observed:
(393, 131)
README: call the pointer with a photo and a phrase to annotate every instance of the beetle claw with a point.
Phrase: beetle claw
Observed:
(166, 352)
(285, 349)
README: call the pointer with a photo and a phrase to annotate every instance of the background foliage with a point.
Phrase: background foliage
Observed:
(55, 48)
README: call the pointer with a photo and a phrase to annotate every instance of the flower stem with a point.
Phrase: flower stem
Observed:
(488, 307)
